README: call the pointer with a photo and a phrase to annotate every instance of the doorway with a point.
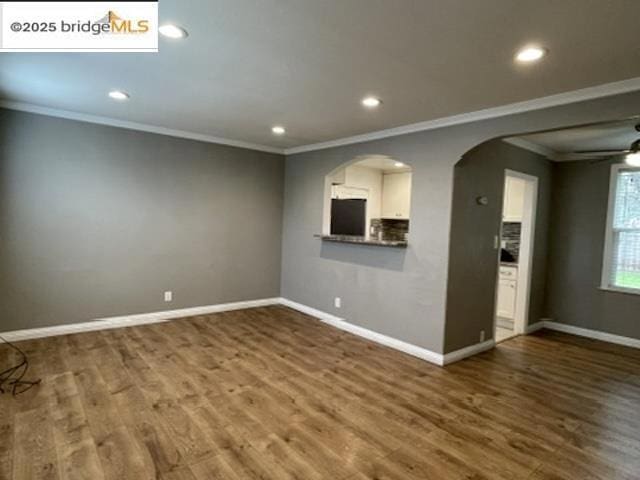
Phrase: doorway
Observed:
(515, 257)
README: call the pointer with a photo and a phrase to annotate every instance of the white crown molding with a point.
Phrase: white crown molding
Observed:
(414, 350)
(132, 320)
(594, 334)
(143, 127)
(590, 93)
(532, 147)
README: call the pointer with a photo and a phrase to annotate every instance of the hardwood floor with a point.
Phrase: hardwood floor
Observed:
(271, 393)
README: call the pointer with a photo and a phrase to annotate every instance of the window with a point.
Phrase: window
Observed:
(622, 252)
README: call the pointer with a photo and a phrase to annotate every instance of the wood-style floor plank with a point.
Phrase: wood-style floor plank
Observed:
(76, 449)
(269, 393)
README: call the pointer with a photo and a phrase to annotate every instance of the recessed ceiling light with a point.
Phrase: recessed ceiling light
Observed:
(530, 54)
(398, 164)
(278, 130)
(633, 159)
(371, 102)
(172, 31)
(119, 95)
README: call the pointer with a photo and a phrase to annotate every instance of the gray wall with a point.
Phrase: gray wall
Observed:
(473, 266)
(580, 198)
(98, 221)
(402, 294)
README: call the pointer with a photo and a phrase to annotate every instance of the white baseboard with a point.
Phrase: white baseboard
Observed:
(468, 351)
(132, 320)
(408, 348)
(380, 338)
(534, 327)
(595, 334)
(414, 350)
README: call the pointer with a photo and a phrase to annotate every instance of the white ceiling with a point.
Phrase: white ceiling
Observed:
(384, 163)
(305, 64)
(562, 145)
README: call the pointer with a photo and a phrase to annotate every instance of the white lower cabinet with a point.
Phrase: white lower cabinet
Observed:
(506, 298)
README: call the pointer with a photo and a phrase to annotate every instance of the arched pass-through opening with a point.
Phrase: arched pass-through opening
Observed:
(507, 265)
(368, 200)
(501, 204)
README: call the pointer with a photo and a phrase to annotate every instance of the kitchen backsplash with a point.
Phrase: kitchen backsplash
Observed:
(391, 229)
(511, 236)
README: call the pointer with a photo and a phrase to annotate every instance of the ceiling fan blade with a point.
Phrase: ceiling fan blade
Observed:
(601, 152)
(596, 160)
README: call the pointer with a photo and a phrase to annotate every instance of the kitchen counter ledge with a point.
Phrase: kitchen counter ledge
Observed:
(363, 241)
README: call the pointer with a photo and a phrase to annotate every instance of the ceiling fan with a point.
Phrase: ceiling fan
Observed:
(632, 154)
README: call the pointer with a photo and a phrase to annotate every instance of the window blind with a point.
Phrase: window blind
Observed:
(625, 268)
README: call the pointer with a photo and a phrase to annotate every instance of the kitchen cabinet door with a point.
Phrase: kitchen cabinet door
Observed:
(506, 298)
(513, 199)
(396, 195)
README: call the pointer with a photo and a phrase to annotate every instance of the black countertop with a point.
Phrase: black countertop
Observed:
(363, 241)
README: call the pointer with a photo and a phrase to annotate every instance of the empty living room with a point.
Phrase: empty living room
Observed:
(320, 240)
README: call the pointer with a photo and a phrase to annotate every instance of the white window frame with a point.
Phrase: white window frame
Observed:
(607, 264)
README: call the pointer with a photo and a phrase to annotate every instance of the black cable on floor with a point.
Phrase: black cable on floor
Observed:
(12, 378)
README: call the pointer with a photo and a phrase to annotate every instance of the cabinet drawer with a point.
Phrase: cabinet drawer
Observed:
(508, 272)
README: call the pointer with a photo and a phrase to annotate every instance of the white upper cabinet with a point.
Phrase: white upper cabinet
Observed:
(343, 192)
(513, 200)
(396, 195)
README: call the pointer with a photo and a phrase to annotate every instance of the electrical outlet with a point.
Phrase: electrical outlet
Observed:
(481, 335)
(168, 296)
(337, 302)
